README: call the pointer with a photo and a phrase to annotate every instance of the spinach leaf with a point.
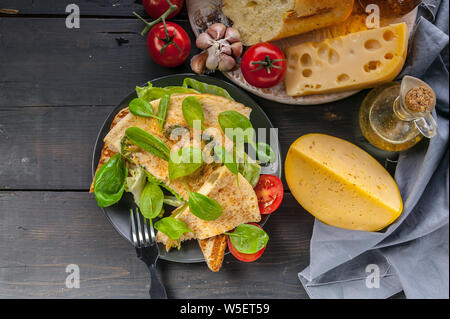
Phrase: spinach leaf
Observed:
(172, 227)
(193, 111)
(237, 122)
(151, 201)
(163, 108)
(148, 142)
(265, 153)
(206, 88)
(204, 207)
(109, 183)
(250, 171)
(184, 162)
(151, 93)
(142, 108)
(233, 120)
(248, 239)
(227, 159)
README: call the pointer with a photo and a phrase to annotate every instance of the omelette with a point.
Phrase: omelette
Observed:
(237, 197)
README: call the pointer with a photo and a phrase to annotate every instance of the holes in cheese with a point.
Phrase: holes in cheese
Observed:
(340, 184)
(367, 58)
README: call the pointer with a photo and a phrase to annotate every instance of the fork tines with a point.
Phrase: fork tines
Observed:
(140, 230)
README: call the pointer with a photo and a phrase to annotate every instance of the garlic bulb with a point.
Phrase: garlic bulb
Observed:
(221, 47)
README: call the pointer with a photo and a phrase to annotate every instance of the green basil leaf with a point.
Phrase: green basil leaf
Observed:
(151, 201)
(148, 142)
(141, 107)
(265, 153)
(151, 93)
(248, 239)
(227, 159)
(204, 207)
(184, 162)
(193, 111)
(250, 171)
(172, 227)
(206, 88)
(163, 108)
(235, 120)
(109, 183)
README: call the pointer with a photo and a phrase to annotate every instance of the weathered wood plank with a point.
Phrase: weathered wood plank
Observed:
(42, 232)
(42, 63)
(115, 8)
(51, 147)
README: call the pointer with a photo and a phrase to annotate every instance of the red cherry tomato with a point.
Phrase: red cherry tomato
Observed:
(156, 8)
(269, 191)
(244, 257)
(169, 50)
(263, 65)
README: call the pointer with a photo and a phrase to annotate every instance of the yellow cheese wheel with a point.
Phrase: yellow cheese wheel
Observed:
(354, 61)
(340, 184)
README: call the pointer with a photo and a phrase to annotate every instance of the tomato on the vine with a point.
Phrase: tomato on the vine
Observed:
(269, 192)
(241, 256)
(263, 65)
(168, 48)
(156, 8)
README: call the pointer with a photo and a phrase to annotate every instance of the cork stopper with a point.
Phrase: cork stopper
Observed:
(420, 99)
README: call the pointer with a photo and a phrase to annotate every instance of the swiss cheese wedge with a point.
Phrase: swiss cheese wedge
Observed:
(354, 61)
(340, 184)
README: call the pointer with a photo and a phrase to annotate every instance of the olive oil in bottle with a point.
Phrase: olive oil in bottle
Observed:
(396, 116)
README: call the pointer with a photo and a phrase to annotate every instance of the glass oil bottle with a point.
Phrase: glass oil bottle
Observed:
(396, 116)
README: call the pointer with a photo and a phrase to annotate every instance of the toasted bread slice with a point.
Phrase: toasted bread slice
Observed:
(268, 20)
(213, 250)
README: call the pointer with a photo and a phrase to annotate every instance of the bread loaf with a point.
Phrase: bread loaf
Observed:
(267, 20)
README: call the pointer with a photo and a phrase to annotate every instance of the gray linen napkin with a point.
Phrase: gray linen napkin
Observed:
(413, 253)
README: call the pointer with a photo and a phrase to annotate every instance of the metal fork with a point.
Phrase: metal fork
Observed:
(147, 251)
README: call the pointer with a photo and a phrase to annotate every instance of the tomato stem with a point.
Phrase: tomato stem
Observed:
(267, 63)
(162, 18)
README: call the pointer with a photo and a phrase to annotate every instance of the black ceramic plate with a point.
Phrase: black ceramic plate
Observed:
(119, 214)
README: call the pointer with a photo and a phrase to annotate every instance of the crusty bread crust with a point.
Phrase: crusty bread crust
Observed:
(214, 250)
(299, 16)
(321, 14)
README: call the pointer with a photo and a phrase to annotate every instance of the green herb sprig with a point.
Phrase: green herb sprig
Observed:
(148, 142)
(110, 181)
(235, 120)
(248, 239)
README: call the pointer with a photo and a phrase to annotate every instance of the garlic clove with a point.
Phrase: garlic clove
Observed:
(212, 62)
(198, 62)
(204, 41)
(225, 47)
(232, 35)
(217, 30)
(237, 49)
(226, 62)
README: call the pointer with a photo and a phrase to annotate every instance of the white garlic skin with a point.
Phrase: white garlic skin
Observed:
(212, 62)
(232, 35)
(236, 49)
(204, 41)
(198, 62)
(217, 30)
(226, 62)
(221, 47)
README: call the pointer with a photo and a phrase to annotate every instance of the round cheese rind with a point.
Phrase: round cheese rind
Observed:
(341, 184)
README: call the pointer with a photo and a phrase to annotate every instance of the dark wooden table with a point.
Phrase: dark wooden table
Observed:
(57, 85)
